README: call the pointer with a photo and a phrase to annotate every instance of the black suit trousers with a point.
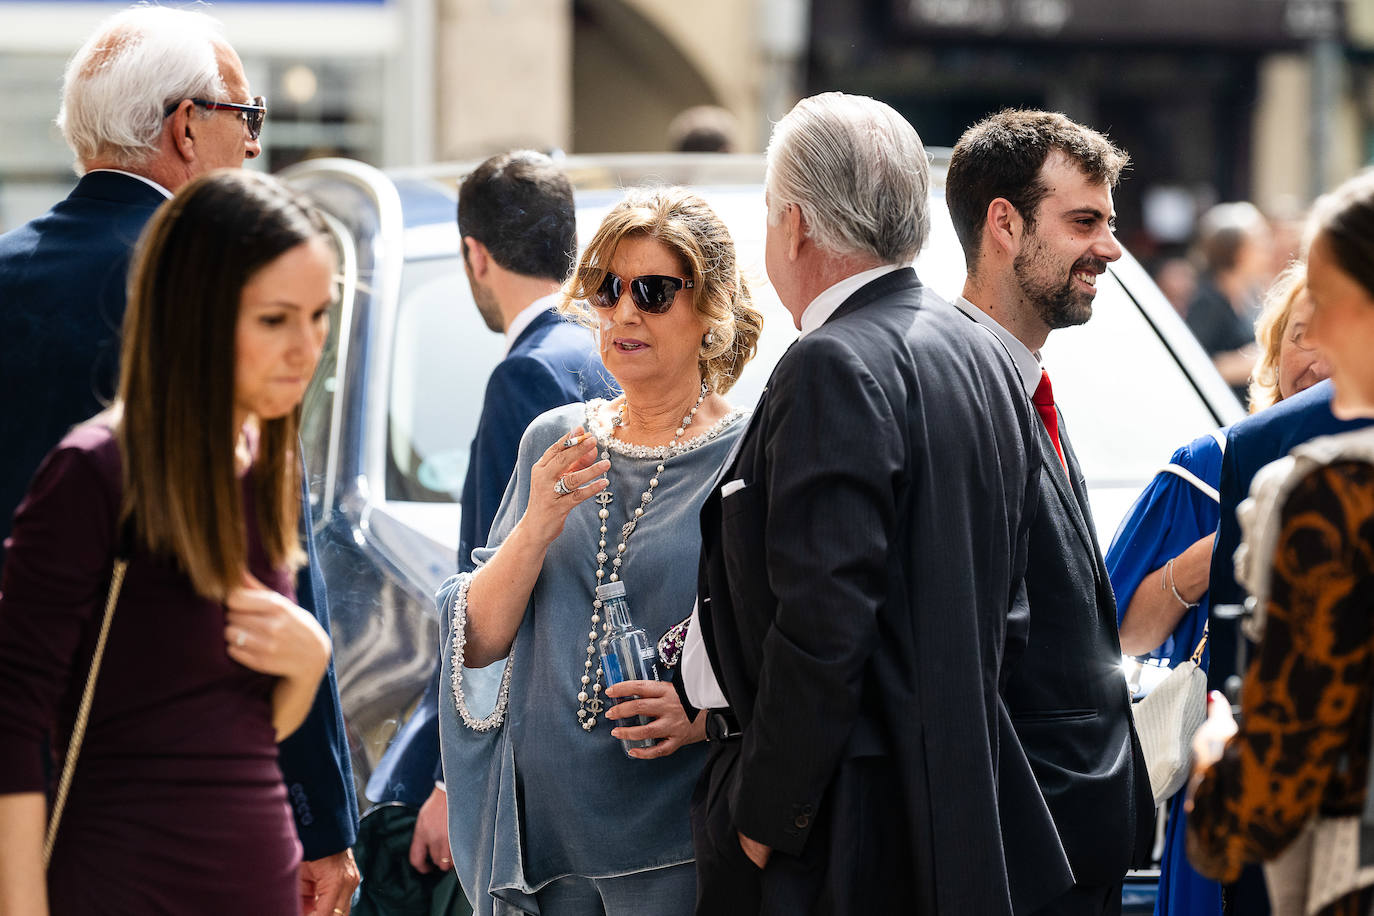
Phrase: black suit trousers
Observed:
(855, 862)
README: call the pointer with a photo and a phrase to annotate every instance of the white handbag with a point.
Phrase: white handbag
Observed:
(1166, 721)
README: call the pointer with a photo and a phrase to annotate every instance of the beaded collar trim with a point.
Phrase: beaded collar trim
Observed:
(599, 423)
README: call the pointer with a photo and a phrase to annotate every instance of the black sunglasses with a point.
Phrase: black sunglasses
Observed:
(651, 293)
(253, 115)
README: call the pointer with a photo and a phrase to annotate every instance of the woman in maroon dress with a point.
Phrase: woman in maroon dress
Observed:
(177, 806)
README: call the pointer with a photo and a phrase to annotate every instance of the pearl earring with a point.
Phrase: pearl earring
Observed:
(709, 339)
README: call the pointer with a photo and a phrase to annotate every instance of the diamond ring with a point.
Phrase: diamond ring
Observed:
(561, 487)
(240, 639)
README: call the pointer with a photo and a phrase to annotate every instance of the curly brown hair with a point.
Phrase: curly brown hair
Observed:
(688, 226)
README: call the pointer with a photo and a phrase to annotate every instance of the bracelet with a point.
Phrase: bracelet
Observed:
(1166, 580)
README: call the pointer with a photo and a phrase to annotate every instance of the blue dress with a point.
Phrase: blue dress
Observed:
(1168, 517)
(537, 798)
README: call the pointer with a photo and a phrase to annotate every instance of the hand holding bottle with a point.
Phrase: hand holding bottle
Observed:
(667, 722)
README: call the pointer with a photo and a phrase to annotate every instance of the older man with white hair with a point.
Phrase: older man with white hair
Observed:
(862, 555)
(155, 97)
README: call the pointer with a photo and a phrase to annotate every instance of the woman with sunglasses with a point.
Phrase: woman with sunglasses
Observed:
(177, 804)
(547, 813)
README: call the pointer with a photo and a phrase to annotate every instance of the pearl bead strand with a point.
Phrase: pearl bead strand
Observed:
(589, 705)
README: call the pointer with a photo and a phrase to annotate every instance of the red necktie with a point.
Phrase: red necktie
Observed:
(1043, 399)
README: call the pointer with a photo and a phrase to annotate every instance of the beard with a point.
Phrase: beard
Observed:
(487, 306)
(1058, 302)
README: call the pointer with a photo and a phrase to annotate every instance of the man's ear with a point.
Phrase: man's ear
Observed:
(477, 257)
(181, 130)
(1003, 226)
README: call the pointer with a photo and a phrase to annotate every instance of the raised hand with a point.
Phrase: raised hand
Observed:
(566, 475)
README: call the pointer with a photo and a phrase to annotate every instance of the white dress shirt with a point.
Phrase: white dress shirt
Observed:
(1027, 363)
(527, 315)
(824, 305)
(698, 678)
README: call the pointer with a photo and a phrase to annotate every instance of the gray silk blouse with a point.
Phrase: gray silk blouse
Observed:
(537, 797)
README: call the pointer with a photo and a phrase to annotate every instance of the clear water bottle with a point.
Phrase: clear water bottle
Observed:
(627, 654)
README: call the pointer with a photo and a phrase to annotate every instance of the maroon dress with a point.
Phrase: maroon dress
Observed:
(178, 805)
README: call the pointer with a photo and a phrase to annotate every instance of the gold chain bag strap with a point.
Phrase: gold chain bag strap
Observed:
(83, 711)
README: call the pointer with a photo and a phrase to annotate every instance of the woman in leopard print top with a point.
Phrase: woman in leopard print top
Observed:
(1297, 768)
(1304, 746)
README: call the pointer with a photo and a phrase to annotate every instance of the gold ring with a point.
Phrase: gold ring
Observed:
(339, 911)
(445, 861)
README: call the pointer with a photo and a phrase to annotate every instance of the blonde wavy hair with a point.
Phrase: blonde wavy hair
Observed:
(1270, 329)
(688, 226)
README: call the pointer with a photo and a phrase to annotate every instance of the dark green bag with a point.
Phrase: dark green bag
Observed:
(390, 886)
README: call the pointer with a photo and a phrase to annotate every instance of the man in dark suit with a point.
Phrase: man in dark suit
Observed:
(519, 235)
(62, 282)
(860, 555)
(1250, 445)
(1031, 197)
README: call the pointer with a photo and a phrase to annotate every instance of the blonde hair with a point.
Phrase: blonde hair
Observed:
(688, 226)
(1270, 329)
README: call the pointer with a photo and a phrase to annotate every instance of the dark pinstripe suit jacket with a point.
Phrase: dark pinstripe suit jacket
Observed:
(855, 594)
(1067, 697)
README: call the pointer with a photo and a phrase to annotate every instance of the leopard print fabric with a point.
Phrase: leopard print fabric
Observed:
(1303, 745)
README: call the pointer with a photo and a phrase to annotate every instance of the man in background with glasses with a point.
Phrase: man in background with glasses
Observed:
(154, 98)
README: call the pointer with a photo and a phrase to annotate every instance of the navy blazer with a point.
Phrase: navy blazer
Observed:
(551, 363)
(1250, 445)
(62, 289)
(63, 281)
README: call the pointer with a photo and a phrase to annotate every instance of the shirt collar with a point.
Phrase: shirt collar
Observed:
(824, 305)
(527, 316)
(148, 181)
(1027, 363)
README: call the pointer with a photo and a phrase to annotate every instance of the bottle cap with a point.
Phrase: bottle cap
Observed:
(610, 590)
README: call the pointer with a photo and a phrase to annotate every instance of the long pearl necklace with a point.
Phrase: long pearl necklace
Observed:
(591, 704)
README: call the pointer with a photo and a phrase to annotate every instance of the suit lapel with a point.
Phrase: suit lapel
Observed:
(728, 465)
(883, 286)
(1051, 467)
(1085, 509)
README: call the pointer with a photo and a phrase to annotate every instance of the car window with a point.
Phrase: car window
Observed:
(1125, 401)
(443, 353)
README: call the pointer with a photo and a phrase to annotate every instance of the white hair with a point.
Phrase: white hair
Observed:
(118, 84)
(859, 172)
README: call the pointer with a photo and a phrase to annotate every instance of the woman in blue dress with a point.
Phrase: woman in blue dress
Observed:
(547, 813)
(1159, 558)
